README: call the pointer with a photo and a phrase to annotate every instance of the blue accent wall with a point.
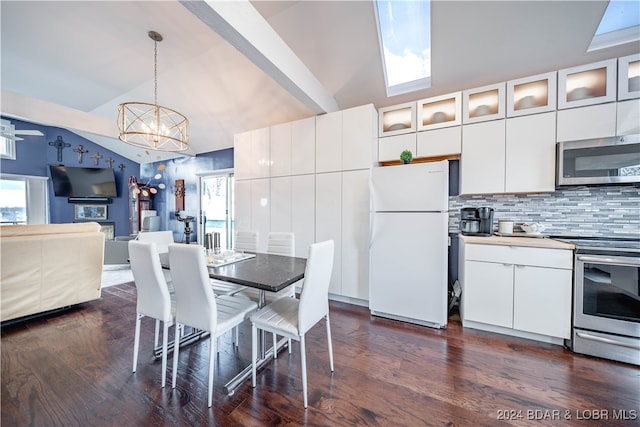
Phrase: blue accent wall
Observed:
(187, 169)
(34, 155)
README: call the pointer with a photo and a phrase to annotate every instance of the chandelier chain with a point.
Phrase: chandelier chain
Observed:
(155, 71)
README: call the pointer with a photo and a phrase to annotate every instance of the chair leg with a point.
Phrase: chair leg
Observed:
(289, 345)
(329, 342)
(155, 341)
(275, 346)
(165, 342)
(254, 353)
(136, 341)
(212, 353)
(237, 335)
(176, 351)
(303, 359)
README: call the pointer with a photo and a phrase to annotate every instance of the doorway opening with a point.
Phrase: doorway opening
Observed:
(216, 208)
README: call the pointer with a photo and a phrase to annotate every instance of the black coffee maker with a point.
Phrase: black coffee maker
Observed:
(476, 221)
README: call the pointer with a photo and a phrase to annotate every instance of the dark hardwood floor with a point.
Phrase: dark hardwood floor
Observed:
(74, 369)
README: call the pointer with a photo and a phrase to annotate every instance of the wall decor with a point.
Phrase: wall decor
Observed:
(80, 150)
(60, 145)
(96, 158)
(109, 230)
(91, 212)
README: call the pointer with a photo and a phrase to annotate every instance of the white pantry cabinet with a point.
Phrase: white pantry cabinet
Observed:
(517, 288)
(355, 234)
(345, 139)
(303, 146)
(329, 221)
(260, 210)
(280, 149)
(329, 142)
(281, 209)
(303, 212)
(242, 156)
(260, 153)
(242, 205)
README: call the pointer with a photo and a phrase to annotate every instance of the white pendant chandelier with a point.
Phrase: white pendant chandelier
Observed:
(152, 126)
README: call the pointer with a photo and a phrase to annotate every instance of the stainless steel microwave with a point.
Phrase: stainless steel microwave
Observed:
(614, 160)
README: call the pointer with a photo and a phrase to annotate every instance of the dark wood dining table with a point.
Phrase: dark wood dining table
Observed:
(265, 272)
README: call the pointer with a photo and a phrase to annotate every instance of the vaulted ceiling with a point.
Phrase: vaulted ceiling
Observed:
(236, 66)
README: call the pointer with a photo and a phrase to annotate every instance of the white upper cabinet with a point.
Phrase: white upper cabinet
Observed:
(594, 121)
(397, 119)
(329, 142)
(628, 117)
(530, 153)
(260, 153)
(242, 156)
(281, 149)
(483, 103)
(389, 148)
(587, 84)
(439, 142)
(303, 146)
(358, 137)
(482, 166)
(629, 77)
(531, 95)
(440, 111)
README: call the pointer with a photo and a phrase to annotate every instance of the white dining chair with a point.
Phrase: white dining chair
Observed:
(246, 241)
(291, 317)
(162, 239)
(153, 297)
(196, 305)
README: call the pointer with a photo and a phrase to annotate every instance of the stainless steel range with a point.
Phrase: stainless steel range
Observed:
(606, 298)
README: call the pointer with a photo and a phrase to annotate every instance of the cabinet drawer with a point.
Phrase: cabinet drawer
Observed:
(520, 255)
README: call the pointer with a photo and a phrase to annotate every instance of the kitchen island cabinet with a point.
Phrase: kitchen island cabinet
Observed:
(514, 289)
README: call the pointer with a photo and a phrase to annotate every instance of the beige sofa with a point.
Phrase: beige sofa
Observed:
(45, 267)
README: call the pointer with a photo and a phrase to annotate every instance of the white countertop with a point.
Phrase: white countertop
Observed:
(534, 242)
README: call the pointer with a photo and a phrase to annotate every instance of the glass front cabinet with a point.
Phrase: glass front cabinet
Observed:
(531, 95)
(483, 103)
(629, 77)
(587, 84)
(440, 111)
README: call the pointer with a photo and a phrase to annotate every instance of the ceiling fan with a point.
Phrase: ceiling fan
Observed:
(8, 131)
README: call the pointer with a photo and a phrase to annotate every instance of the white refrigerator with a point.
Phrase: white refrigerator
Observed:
(409, 241)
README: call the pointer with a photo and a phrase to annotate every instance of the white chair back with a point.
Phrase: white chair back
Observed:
(195, 300)
(162, 239)
(314, 299)
(150, 223)
(153, 298)
(246, 241)
(281, 243)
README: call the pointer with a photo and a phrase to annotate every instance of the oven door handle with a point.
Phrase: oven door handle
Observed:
(607, 340)
(619, 260)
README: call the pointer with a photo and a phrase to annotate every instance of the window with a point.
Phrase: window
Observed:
(404, 31)
(620, 24)
(23, 199)
(7, 140)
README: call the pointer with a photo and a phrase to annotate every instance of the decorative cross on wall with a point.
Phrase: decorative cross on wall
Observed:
(80, 150)
(96, 158)
(60, 145)
(110, 161)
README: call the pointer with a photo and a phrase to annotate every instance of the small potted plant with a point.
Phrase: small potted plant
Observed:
(406, 156)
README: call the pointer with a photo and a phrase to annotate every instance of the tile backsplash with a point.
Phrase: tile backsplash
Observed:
(576, 211)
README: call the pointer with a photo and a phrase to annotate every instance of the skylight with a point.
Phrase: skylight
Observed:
(404, 32)
(620, 24)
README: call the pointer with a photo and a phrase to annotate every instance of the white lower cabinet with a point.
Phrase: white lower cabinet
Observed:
(329, 221)
(519, 289)
(342, 215)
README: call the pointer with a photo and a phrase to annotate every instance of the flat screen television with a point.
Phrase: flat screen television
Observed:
(69, 181)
